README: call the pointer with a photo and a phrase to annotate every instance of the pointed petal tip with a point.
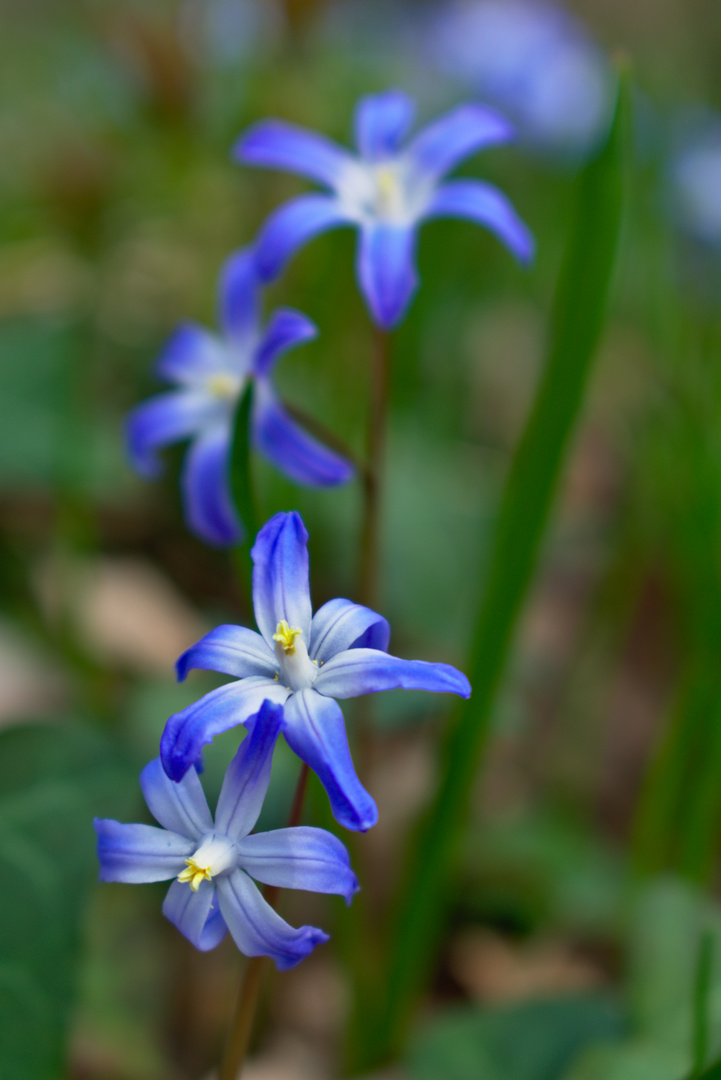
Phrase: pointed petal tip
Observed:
(303, 947)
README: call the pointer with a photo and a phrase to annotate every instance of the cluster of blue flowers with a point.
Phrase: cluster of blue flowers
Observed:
(287, 677)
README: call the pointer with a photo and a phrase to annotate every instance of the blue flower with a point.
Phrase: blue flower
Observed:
(302, 662)
(211, 373)
(213, 861)
(386, 191)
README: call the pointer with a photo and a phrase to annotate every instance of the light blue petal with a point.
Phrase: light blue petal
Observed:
(196, 914)
(258, 930)
(341, 625)
(294, 451)
(240, 296)
(276, 144)
(137, 854)
(382, 121)
(162, 420)
(386, 270)
(248, 775)
(188, 731)
(209, 509)
(315, 731)
(234, 650)
(280, 575)
(486, 205)
(368, 671)
(440, 146)
(285, 329)
(190, 356)
(299, 858)
(292, 226)
(180, 807)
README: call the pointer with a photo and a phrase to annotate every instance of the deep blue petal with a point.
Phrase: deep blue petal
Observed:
(276, 144)
(162, 420)
(341, 625)
(382, 121)
(299, 858)
(486, 205)
(292, 226)
(248, 775)
(209, 509)
(386, 270)
(294, 451)
(367, 671)
(180, 807)
(258, 930)
(280, 575)
(234, 650)
(137, 854)
(285, 329)
(441, 145)
(239, 296)
(190, 355)
(196, 914)
(188, 731)
(315, 731)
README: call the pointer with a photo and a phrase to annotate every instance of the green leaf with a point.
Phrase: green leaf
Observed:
(712, 1073)
(538, 1040)
(575, 326)
(241, 480)
(53, 780)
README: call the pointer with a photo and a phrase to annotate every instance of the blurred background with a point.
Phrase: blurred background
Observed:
(590, 866)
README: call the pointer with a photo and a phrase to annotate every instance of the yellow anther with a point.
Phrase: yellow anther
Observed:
(285, 635)
(194, 875)
(223, 386)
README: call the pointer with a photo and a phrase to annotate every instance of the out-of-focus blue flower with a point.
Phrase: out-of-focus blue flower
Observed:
(695, 178)
(213, 861)
(386, 191)
(534, 61)
(302, 662)
(211, 373)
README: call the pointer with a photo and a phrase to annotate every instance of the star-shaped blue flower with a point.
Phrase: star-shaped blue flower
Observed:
(302, 662)
(386, 191)
(211, 373)
(213, 861)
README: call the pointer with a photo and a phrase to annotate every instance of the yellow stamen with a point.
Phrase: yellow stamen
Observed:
(223, 386)
(194, 875)
(286, 635)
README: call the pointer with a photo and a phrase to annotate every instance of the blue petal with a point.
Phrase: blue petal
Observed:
(180, 807)
(299, 858)
(246, 781)
(239, 296)
(367, 671)
(209, 509)
(137, 854)
(386, 270)
(291, 226)
(276, 144)
(280, 575)
(440, 146)
(234, 650)
(291, 449)
(190, 355)
(486, 205)
(188, 731)
(381, 123)
(285, 329)
(196, 914)
(258, 930)
(315, 731)
(341, 625)
(163, 420)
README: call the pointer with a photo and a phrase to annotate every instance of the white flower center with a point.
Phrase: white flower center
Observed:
(297, 670)
(387, 191)
(216, 855)
(225, 386)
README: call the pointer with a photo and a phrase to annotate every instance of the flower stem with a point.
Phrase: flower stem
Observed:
(372, 478)
(253, 978)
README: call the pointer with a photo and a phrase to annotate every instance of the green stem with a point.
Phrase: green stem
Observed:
(251, 986)
(372, 477)
(577, 320)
